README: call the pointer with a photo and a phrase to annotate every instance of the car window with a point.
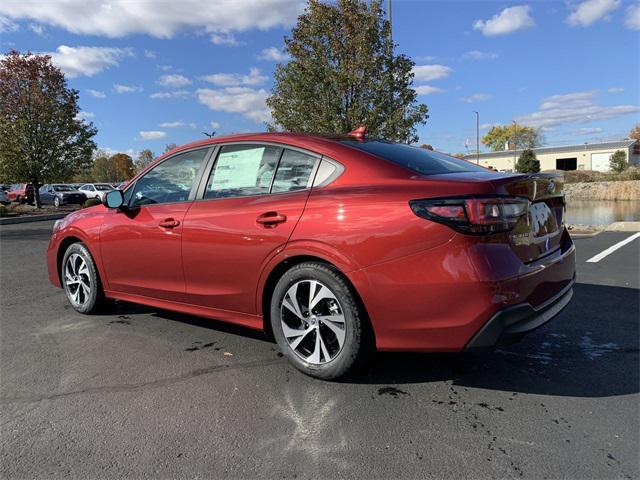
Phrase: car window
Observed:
(102, 187)
(243, 170)
(294, 171)
(61, 188)
(420, 160)
(170, 181)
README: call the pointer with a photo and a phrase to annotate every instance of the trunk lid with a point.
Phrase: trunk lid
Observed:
(537, 234)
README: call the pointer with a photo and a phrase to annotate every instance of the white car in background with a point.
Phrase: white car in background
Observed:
(96, 190)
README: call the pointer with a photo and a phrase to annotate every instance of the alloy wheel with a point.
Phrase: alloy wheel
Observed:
(313, 322)
(77, 280)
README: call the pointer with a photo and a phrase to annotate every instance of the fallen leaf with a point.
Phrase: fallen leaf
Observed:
(228, 354)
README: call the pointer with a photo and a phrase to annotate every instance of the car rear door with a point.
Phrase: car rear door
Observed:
(141, 245)
(249, 204)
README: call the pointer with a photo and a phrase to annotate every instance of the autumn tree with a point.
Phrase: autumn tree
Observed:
(145, 157)
(618, 161)
(343, 73)
(42, 137)
(116, 168)
(169, 146)
(528, 162)
(508, 137)
(634, 134)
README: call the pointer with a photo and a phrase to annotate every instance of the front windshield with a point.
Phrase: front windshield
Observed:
(103, 187)
(63, 188)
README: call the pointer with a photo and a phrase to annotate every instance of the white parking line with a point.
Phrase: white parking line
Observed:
(613, 248)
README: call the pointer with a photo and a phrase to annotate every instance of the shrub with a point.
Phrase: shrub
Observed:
(3, 211)
(618, 162)
(91, 202)
(528, 162)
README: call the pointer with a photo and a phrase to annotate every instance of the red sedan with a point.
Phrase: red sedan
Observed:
(332, 245)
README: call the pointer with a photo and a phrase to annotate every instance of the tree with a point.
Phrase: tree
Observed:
(528, 163)
(516, 135)
(343, 73)
(145, 157)
(634, 134)
(42, 138)
(618, 162)
(169, 146)
(116, 168)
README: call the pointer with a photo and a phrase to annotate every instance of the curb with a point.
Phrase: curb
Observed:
(32, 218)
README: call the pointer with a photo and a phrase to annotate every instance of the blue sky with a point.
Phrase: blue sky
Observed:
(151, 73)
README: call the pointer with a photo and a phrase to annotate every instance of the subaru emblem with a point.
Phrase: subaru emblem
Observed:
(551, 186)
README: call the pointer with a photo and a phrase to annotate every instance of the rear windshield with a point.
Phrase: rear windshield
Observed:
(420, 160)
(63, 188)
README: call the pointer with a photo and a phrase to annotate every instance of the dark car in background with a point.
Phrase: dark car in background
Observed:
(21, 193)
(59, 194)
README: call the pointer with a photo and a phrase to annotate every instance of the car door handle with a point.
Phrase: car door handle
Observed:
(169, 223)
(271, 219)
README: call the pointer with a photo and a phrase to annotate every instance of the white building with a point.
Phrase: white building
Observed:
(587, 156)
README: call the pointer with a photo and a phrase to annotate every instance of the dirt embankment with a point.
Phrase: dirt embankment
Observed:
(626, 190)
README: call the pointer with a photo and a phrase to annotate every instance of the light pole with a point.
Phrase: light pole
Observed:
(477, 137)
(515, 137)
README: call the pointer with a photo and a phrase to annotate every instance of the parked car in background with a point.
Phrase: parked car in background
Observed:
(59, 194)
(96, 190)
(333, 245)
(21, 193)
(3, 197)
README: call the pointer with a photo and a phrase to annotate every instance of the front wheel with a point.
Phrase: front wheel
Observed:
(316, 321)
(80, 279)
(56, 202)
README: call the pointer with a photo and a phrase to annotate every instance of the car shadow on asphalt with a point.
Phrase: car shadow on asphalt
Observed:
(589, 350)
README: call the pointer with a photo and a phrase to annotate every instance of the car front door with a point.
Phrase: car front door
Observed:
(46, 195)
(246, 212)
(141, 244)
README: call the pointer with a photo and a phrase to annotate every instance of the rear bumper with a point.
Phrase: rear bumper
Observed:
(510, 324)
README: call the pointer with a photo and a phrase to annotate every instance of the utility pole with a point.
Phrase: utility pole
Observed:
(477, 137)
(515, 138)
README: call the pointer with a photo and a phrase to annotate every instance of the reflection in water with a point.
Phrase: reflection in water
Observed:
(601, 212)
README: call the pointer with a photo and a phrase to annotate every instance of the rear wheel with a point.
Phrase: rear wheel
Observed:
(316, 321)
(80, 279)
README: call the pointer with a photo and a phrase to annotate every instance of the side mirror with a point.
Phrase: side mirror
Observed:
(114, 199)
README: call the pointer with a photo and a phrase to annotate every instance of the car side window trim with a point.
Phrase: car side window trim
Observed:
(196, 183)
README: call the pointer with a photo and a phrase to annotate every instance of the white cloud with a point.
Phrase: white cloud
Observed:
(425, 58)
(117, 18)
(84, 115)
(119, 88)
(427, 89)
(7, 26)
(150, 54)
(426, 73)
(615, 90)
(487, 126)
(167, 95)
(590, 11)
(177, 124)
(235, 79)
(214, 125)
(246, 101)
(273, 54)
(77, 61)
(509, 20)
(112, 151)
(570, 108)
(227, 39)
(476, 97)
(165, 68)
(96, 93)
(152, 134)
(478, 55)
(587, 131)
(173, 81)
(633, 17)
(37, 29)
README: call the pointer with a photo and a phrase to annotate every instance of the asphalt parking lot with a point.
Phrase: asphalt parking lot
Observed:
(140, 393)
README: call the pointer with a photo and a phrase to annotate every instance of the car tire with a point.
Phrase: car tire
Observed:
(80, 280)
(335, 316)
(56, 202)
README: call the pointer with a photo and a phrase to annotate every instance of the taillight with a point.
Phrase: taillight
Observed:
(473, 215)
